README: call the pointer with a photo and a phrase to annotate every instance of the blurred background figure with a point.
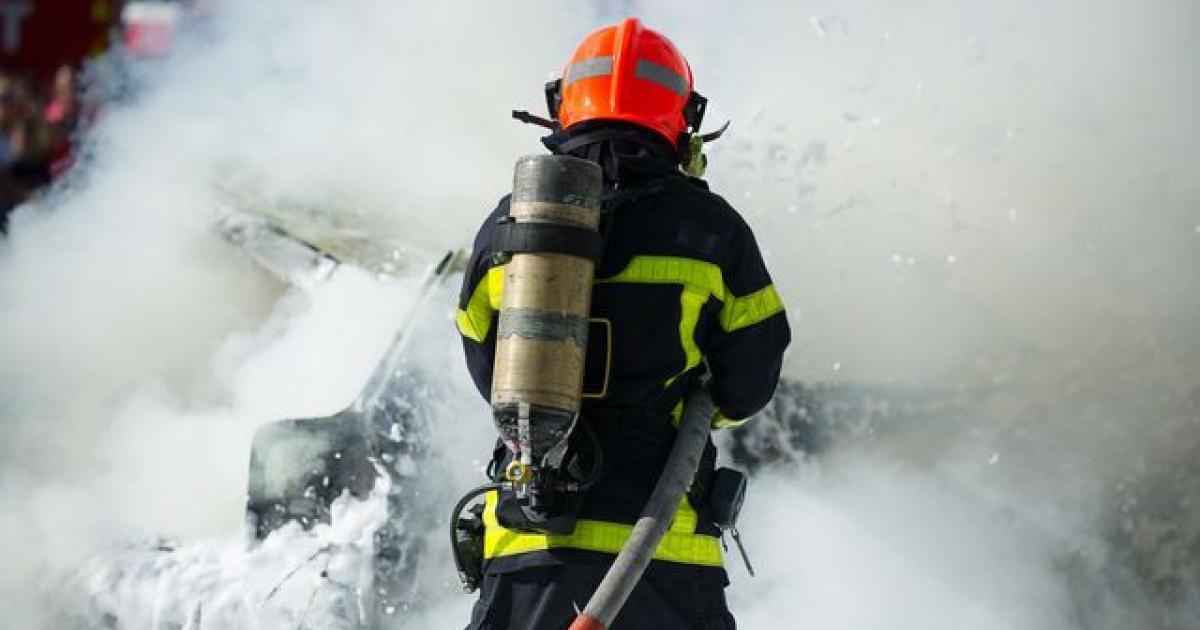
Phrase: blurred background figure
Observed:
(25, 144)
(61, 113)
(46, 46)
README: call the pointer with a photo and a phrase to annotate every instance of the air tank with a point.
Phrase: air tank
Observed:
(546, 299)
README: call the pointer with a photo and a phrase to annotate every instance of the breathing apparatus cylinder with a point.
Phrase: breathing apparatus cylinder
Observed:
(552, 241)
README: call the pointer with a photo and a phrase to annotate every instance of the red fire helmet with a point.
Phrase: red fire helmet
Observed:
(630, 73)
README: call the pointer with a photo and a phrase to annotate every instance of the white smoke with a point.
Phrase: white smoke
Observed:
(950, 194)
(992, 198)
(883, 546)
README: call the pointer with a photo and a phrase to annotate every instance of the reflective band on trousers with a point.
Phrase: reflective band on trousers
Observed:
(680, 544)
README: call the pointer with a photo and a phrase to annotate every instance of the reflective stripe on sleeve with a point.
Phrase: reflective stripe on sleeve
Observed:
(495, 286)
(740, 312)
(721, 421)
(475, 321)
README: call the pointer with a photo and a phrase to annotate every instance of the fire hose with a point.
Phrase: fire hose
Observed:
(656, 517)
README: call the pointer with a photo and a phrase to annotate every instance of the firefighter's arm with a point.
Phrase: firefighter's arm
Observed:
(479, 302)
(745, 345)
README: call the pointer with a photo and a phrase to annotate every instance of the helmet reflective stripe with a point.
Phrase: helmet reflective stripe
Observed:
(663, 76)
(588, 68)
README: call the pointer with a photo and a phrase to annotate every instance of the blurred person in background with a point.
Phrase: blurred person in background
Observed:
(24, 145)
(61, 114)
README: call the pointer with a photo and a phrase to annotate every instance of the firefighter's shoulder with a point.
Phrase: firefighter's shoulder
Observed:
(701, 220)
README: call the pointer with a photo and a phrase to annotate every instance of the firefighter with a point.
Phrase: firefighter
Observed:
(681, 290)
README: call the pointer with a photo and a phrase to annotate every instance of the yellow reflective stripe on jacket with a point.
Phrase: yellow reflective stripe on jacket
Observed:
(699, 278)
(672, 270)
(748, 310)
(736, 312)
(691, 301)
(721, 421)
(475, 321)
(680, 544)
(495, 286)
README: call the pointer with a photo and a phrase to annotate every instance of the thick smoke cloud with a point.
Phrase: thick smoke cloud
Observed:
(994, 197)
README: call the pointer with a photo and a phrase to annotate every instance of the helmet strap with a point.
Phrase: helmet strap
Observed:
(554, 97)
(531, 119)
(693, 111)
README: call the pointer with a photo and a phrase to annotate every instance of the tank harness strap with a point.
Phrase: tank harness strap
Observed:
(550, 238)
